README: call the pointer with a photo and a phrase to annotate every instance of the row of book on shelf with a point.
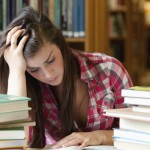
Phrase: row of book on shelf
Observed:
(14, 121)
(134, 125)
(67, 15)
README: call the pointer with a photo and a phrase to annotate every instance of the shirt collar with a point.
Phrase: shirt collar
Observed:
(88, 69)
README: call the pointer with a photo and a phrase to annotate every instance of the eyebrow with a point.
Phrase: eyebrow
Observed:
(44, 62)
(48, 57)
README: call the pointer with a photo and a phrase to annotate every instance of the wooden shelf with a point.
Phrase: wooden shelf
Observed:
(118, 38)
(122, 9)
(75, 40)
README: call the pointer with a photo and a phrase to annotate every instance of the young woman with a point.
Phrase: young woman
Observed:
(69, 89)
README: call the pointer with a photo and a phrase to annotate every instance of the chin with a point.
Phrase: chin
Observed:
(55, 83)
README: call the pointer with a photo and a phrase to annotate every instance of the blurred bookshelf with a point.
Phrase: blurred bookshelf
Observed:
(113, 27)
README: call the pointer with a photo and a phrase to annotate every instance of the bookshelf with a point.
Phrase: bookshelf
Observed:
(111, 27)
(124, 37)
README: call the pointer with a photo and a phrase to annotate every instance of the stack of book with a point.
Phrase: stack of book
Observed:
(14, 121)
(134, 126)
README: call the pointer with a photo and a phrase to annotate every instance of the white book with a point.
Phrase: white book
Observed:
(12, 133)
(128, 145)
(137, 101)
(11, 144)
(128, 113)
(136, 91)
(99, 147)
(132, 135)
(14, 115)
(144, 109)
(137, 125)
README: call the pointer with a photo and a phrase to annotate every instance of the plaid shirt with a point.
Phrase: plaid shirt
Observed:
(105, 77)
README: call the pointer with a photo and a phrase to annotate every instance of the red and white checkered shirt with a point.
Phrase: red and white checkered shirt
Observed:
(105, 77)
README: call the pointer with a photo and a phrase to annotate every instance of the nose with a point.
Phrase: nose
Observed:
(48, 73)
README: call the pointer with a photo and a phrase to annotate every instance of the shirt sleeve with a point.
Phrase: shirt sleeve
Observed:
(119, 79)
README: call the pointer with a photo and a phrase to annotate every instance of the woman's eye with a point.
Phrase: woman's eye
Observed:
(35, 70)
(50, 61)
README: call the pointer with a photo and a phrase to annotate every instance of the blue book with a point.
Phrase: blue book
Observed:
(82, 18)
(76, 18)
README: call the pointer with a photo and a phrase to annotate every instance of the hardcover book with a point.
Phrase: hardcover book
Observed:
(136, 125)
(99, 147)
(12, 102)
(128, 113)
(136, 91)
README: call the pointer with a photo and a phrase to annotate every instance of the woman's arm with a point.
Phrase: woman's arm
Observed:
(17, 64)
(97, 137)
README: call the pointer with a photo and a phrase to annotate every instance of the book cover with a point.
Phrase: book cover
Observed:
(136, 91)
(127, 113)
(4, 98)
(136, 125)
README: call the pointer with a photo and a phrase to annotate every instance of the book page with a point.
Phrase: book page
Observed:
(101, 147)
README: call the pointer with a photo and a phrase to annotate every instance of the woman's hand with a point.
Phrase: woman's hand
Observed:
(14, 53)
(16, 62)
(82, 139)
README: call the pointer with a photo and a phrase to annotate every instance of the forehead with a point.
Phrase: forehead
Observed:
(42, 54)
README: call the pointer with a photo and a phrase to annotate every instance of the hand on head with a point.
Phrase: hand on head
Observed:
(14, 53)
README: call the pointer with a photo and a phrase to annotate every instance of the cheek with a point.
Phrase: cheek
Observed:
(35, 75)
(59, 65)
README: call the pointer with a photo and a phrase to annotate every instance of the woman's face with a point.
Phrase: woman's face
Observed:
(47, 65)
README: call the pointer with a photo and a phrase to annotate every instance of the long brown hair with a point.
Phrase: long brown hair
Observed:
(41, 29)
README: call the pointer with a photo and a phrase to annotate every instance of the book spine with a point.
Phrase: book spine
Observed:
(1, 15)
(82, 18)
(51, 10)
(76, 18)
(70, 19)
(57, 13)
(64, 17)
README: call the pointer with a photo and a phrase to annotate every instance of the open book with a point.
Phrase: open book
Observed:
(100, 147)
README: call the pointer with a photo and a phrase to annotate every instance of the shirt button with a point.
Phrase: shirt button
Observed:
(90, 125)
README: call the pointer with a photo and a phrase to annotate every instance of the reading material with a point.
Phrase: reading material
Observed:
(101, 147)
